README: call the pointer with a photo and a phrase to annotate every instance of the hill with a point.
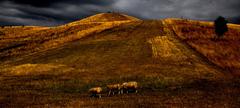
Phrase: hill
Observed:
(31, 41)
(55, 66)
(105, 17)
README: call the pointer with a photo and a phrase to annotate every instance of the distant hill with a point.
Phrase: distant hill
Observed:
(235, 20)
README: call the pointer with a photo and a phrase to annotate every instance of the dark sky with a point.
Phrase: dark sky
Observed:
(55, 12)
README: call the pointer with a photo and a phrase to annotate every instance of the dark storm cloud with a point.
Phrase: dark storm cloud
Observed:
(11, 12)
(55, 12)
(44, 3)
(194, 9)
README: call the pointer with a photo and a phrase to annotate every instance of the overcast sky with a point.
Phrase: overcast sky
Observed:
(56, 12)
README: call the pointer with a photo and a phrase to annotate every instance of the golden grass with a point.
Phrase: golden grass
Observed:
(37, 69)
(30, 42)
(223, 52)
(82, 34)
(46, 39)
(19, 31)
(105, 17)
(164, 47)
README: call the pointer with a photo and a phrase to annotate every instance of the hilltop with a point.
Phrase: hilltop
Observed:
(105, 17)
(175, 61)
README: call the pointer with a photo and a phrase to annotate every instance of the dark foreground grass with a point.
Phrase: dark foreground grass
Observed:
(50, 91)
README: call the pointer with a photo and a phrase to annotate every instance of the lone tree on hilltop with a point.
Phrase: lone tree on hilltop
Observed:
(220, 26)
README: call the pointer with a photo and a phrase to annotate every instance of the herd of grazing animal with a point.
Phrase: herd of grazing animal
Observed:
(126, 87)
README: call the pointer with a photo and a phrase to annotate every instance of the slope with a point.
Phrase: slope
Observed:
(33, 41)
(114, 52)
(135, 46)
(200, 36)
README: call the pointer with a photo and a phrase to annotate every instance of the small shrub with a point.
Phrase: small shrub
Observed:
(220, 26)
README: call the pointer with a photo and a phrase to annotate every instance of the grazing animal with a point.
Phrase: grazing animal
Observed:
(114, 88)
(130, 87)
(95, 92)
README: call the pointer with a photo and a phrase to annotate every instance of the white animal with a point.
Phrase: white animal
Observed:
(130, 87)
(114, 88)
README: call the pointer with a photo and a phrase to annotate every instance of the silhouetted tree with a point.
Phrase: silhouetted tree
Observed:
(220, 26)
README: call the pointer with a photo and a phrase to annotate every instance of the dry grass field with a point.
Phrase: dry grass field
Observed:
(223, 52)
(55, 66)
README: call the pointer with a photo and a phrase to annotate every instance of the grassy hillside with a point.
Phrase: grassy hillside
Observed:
(223, 52)
(54, 67)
